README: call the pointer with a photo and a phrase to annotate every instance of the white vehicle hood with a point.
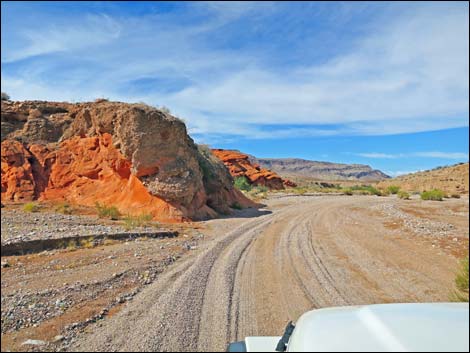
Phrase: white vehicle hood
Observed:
(384, 327)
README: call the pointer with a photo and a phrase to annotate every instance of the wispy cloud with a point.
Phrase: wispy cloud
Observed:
(405, 71)
(433, 154)
(395, 173)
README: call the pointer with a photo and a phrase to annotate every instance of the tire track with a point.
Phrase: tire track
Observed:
(309, 253)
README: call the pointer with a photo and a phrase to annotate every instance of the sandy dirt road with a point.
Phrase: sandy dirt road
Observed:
(257, 273)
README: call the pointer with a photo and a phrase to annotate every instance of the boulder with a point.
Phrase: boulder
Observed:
(132, 156)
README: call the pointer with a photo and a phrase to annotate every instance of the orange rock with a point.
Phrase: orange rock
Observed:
(240, 165)
(132, 156)
(86, 170)
(18, 182)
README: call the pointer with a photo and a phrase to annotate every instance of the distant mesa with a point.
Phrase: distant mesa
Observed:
(132, 156)
(327, 171)
(239, 164)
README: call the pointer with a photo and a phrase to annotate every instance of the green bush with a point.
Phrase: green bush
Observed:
(403, 195)
(365, 190)
(236, 206)
(461, 282)
(31, 207)
(110, 212)
(242, 183)
(435, 195)
(347, 191)
(393, 189)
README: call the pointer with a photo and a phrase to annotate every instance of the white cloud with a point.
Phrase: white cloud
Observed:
(378, 155)
(46, 39)
(433, 154)
(396, 173)
(408, 74)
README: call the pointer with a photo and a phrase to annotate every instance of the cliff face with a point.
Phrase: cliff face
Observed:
(295, 167)
(133, 156)
(239, 165)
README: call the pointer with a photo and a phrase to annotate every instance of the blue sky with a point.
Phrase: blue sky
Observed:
(386, 84)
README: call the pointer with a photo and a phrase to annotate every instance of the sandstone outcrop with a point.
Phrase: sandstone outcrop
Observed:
(132, 156)
(239, 165)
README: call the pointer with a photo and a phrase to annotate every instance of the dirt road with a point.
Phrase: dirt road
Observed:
(257, 273)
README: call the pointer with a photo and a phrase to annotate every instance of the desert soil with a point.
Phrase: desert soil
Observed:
(251, 273)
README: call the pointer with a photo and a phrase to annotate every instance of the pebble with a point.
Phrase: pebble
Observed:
(34, 342)
(58, 338)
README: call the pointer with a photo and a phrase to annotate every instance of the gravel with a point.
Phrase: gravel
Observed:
(19, 226)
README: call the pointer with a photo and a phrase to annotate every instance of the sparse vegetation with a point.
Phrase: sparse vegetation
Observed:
(110, 212)
(366, 190)
(87, 243)
(434, 195)
(31, 207)
(64, 208)
(461, 283)
(164, 109)
(393, 189)
(384, 192)
(241, 183)
(136, 221)
(258, 193)
(236, 206)
(403, 195)
(347, 191)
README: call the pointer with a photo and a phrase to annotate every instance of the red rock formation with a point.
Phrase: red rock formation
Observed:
(134, 157)
(239, 165)
(18, 182)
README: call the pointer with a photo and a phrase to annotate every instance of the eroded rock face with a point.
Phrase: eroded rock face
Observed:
(133, 156)
(240, 165)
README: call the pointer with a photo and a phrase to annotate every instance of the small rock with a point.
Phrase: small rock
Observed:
(455, 239)
(33, 342)
(5, 264)
(58, 338)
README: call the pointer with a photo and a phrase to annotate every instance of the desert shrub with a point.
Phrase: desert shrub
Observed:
(236, 206)
(164, 109)
(242, 183)
(434, 195)
(384, 192)
(403, 195)
(300, 190)
(393, 189)
(136, 221)
(455, 196)
(206, 161)
(64, 208)
(110, 212)
(365, 190)
(31, 207)
(347, 191)
(5, 96)
(87, 243)
(461, 283)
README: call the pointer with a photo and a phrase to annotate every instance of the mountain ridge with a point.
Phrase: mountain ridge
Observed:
(320, 170)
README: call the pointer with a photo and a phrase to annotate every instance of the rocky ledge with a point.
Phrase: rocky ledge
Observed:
(239, 165)
(132, 156)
